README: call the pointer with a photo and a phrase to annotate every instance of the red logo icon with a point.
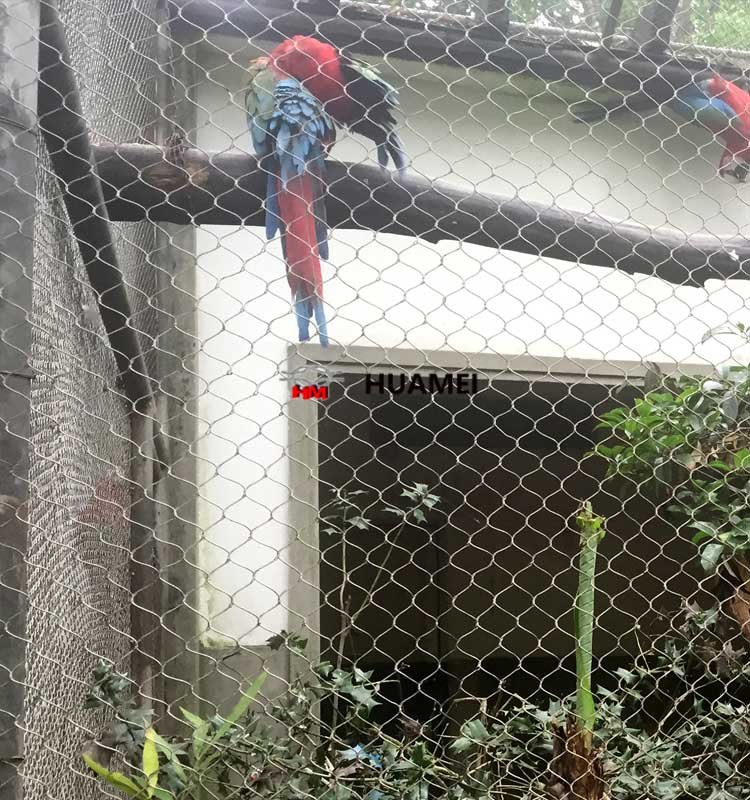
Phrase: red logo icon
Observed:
(311, 392)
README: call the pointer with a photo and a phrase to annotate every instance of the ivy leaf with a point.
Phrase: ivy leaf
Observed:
(363, 696)
(723, 767)
(475, 730)
(711, 556)
(397, 511)
(462, 744)
(626, 676)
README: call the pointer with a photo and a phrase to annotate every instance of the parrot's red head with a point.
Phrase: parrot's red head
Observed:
(312, 62)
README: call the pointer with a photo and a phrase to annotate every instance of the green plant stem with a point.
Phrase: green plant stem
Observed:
(345, 626)
(381, 567)
(592, 531)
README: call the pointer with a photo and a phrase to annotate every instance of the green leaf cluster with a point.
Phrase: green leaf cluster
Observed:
(688, 445)
(667, 730)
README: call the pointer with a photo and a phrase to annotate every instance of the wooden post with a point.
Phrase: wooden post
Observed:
(654, 27)
(611, 18)
(495, 19)
(18, 143)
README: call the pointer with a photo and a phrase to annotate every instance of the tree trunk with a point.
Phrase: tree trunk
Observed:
(576, 771)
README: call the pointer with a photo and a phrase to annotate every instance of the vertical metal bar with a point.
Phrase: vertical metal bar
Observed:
(19, 37)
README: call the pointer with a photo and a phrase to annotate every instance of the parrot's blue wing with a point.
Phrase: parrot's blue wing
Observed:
(694, 105)
(300, 129)
(295, 135)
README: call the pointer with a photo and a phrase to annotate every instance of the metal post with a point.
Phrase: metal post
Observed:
(19, 24)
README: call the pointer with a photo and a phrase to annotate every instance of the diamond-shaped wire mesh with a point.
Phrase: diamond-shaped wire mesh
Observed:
(514, 235)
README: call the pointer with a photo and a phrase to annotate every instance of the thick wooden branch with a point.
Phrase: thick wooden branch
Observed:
(227, 189)
(372, 33)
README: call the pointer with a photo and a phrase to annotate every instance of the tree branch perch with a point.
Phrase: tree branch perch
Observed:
(139, 182)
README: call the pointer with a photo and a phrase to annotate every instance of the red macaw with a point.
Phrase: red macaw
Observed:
(291, 133)
(293, 97)
(714, 102)
(352, 92)
(736, 134)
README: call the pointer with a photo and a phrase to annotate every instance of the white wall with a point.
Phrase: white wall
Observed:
(394, 292)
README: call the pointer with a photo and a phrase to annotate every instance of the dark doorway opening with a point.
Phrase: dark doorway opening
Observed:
(482, 594)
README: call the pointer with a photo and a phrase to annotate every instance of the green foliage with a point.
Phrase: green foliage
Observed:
(167, 768)
(718, 24)
(689, 444)
(281, 750)
(112, 690)
(666, 731)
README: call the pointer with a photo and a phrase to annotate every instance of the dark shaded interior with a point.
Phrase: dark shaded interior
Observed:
(482, 593)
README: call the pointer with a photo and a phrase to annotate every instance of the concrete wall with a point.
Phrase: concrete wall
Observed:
(391, 292)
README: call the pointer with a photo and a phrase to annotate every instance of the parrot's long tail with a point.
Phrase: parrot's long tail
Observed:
(301, 251)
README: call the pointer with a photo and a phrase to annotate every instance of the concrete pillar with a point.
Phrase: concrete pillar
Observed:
(19, 32)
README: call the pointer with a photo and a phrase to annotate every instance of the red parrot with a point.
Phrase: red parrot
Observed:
(709, 100)
(352, 92)
(293, 98)
(291, 132)
(736, 136)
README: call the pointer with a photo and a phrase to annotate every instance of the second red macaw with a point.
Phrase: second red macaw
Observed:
(736, 135)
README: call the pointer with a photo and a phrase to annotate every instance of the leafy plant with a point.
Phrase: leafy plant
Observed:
(167, 768)
(346, 517)
(687, 445)
(252, 754)
(666, 731)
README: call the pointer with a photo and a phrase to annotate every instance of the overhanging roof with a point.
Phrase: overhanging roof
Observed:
(550, 56)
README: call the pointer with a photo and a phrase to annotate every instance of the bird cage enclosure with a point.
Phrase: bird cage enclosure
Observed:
(467, 517)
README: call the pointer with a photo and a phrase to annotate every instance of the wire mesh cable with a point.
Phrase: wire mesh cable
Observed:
(404, 453)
